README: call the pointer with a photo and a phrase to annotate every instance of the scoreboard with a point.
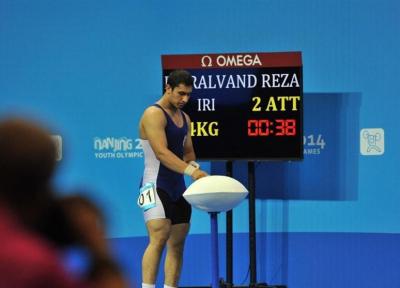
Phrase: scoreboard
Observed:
(246, 106)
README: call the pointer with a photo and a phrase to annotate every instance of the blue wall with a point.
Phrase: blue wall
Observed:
(90, 68)
(326, 260)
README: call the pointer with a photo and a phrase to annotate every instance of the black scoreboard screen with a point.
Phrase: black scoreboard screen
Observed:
(245, 106)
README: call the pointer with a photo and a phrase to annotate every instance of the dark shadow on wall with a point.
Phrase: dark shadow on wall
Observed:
(329, 170)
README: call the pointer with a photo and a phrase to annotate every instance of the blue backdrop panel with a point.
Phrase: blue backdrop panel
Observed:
(295, 259)
(89, 68)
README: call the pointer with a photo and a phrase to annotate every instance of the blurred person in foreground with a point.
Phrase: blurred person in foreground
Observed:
(89, 227)
(36, 227)
(27, 162)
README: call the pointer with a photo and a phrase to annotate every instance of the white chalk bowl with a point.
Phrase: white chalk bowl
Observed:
(215, 193)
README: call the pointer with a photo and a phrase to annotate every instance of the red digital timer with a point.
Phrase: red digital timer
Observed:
(265, 127)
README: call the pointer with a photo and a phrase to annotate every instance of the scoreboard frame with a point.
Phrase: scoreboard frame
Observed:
(244, 106)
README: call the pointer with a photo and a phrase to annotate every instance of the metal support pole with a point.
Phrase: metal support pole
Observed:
(229, 236)
(214, 250)
(252, 223)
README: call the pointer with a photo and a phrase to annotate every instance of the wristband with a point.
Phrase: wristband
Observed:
(194, 164)
(189, 170)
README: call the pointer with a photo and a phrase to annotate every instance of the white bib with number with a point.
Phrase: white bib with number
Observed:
(147, 196)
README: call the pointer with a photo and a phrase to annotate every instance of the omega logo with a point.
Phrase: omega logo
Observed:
(231, 60)
(206, 61)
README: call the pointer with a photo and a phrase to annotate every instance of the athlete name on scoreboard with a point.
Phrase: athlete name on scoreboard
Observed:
(235, 81)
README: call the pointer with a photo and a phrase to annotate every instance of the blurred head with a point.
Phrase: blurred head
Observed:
(88, 225)
(88, 222)
(27, 162)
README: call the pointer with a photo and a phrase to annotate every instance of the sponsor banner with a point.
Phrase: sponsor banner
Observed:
(117, 148)
(195, 61)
